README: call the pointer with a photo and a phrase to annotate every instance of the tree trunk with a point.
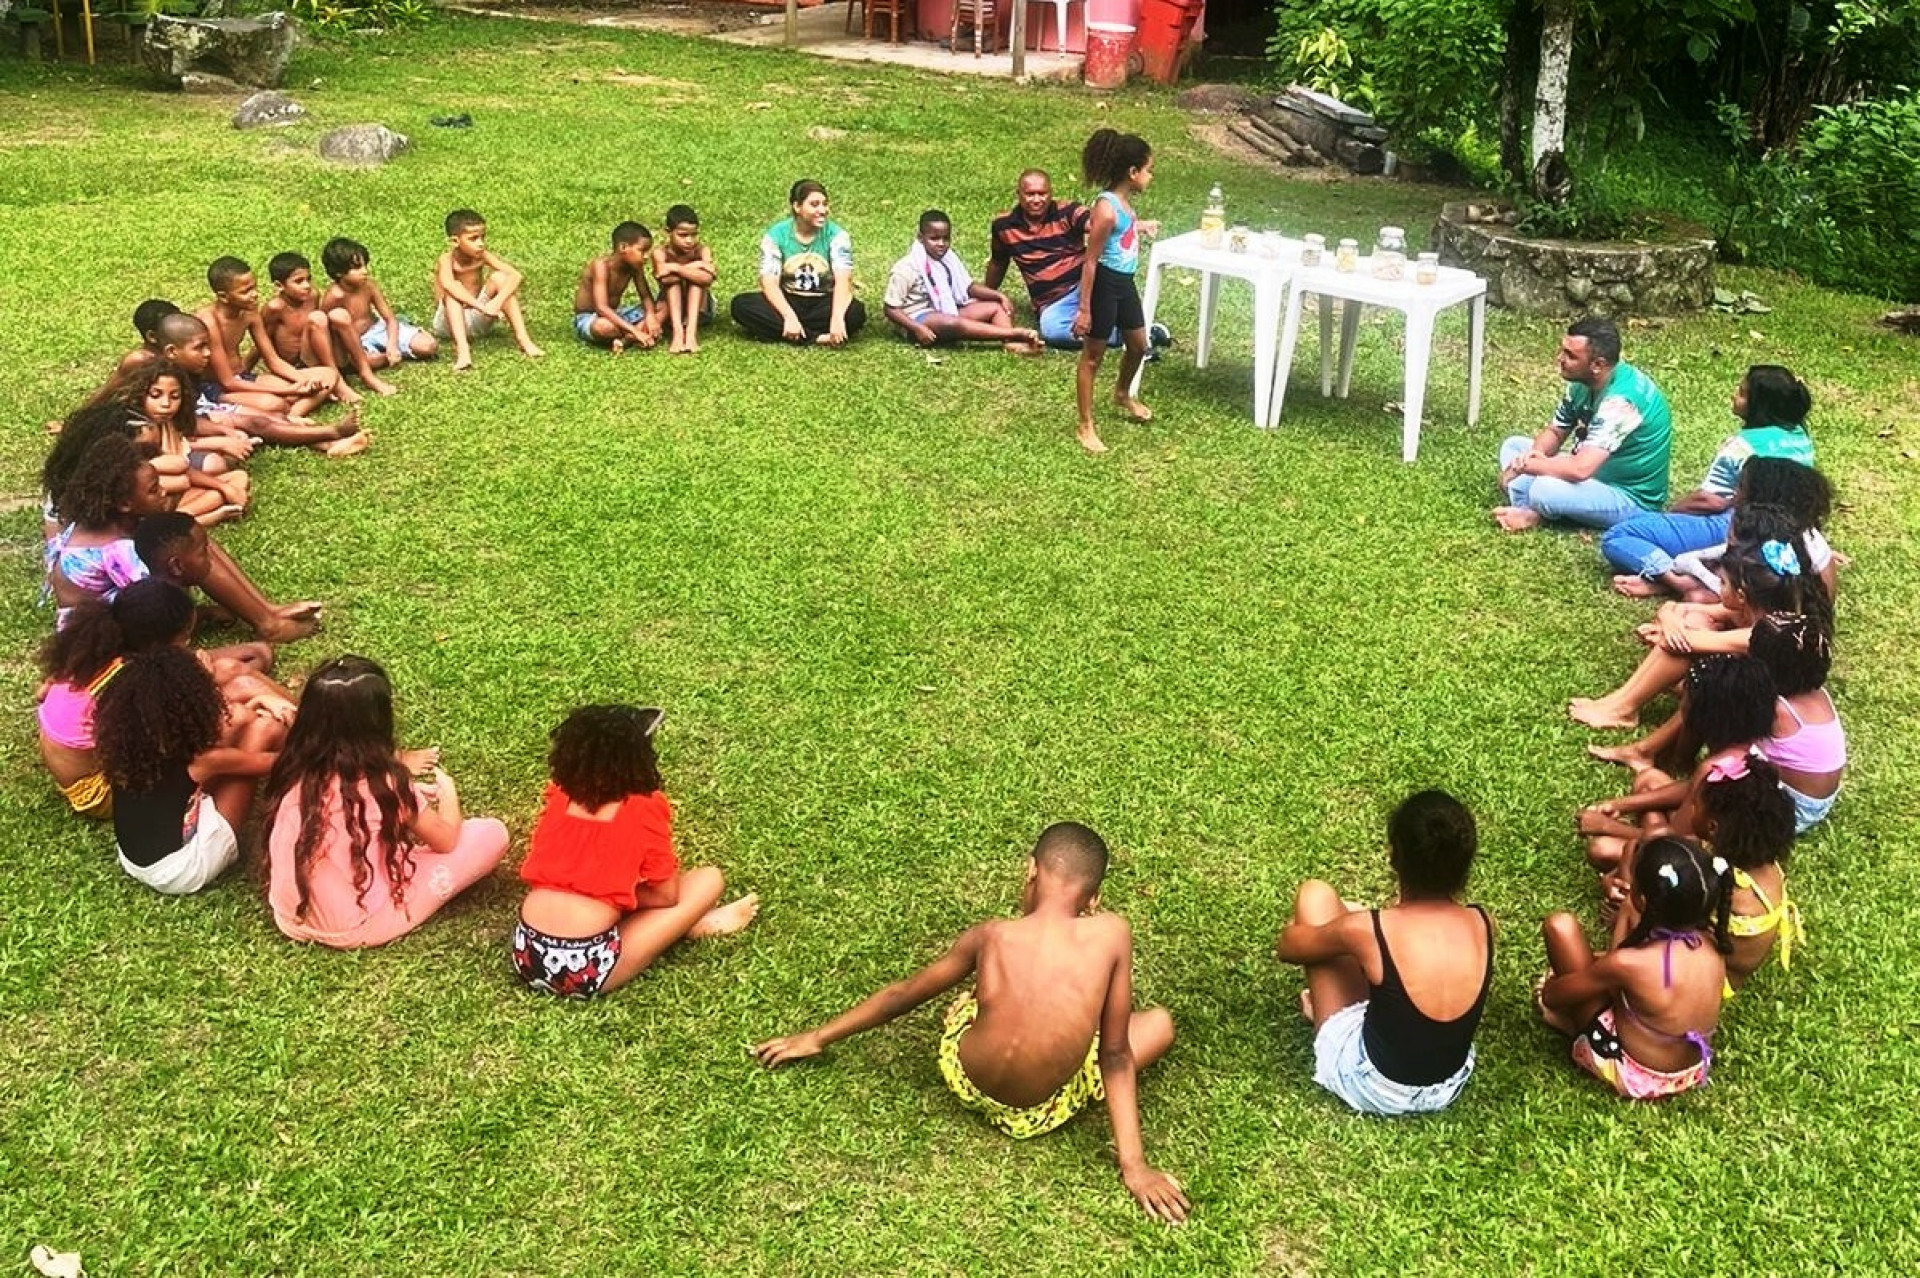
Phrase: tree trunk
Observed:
(1550, 91)
(1523, 41)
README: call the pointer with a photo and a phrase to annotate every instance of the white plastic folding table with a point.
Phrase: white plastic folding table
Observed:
(1420, 303)
(1268, 263)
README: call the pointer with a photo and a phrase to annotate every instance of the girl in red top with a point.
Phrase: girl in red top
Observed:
(607, 894)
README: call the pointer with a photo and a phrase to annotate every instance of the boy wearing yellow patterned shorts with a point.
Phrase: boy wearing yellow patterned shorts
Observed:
(1050, 1023)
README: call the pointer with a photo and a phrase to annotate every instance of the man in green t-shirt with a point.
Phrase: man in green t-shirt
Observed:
(1622, 437)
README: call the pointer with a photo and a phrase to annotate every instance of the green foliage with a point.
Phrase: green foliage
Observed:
(1842, 204)
(1596, 210)
(1423, 64)
(337, 17)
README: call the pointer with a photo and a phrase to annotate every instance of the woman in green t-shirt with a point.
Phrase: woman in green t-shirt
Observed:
(806, 277)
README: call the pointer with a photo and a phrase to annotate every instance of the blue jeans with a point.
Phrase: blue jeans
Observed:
(1056, 322)
(1589, 502)
(1646, 544)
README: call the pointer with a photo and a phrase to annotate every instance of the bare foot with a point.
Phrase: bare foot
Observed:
(286, 629)
(693, 346)
(1133, 408)
(531, 351)
(228, 513)
(347, 394)
(724, 920)
(618, 346)
(1516, 518)
(1598, 819)
(419, 763)
(357, 442)
(1598, 712)
(1306, 1006)
(304, 610)
(1090, 438)
(380, 386)
(1635, 587)
(463, 363)
(1626, 756)
(348, 424)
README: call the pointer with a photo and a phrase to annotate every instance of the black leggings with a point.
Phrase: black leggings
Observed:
(753, 312)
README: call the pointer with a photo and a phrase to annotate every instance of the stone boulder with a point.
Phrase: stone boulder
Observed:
(252, 51)
(365, 144)
(268, 108)
(1571, 277)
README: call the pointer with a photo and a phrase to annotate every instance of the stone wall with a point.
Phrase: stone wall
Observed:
(1572, 277)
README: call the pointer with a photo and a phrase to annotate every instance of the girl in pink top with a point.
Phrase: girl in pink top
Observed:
(371, 868)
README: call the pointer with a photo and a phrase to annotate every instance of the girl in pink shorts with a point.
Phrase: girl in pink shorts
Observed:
(361, 852)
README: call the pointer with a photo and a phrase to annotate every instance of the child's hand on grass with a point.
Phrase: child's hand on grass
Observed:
(420, 762)
(778, 1051)
(1158, 1194)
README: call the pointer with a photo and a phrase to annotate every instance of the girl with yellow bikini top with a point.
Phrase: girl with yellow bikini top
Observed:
(1746, 816)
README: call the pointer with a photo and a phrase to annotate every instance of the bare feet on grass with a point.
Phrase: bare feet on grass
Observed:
(1599, 712)
(1627, 756)
(531, 351)
(348, 445)
(1027, 343)
(282, 628)
(1090, 438)
(1634, 586)
(1133, 408)
(463, 363)
(1516, 518)
(381, 386)
(725, 920)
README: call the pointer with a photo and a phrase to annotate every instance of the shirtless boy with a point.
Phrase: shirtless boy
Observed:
(146, 322)
(186, 341)
(290, 313)
(472, 288)
(683, 268)
(598, 316)
(360, 320)
(1049, 1025)
(232, 318)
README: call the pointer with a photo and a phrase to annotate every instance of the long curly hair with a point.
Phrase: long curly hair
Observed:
(1110, 155)
(1751, 816)
(341, 741)
(83, 428)
(602, 754)
(1729, 700)
(129, 391)
(101, 487)
(159, 712)
(148, 614)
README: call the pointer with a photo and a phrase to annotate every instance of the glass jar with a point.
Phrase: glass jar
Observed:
(1237, 240)
(1390, 254)
(1312, 250)
(1347, 256)
(1427, 269)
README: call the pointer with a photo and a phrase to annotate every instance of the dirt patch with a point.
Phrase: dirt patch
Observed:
(63, 134)
(668, 19)
(1213, 131)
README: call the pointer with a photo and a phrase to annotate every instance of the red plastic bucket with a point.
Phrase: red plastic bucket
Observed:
(1164, 28)
(1109, 45)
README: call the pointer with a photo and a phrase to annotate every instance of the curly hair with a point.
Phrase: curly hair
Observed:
(1750, 815)
(1796, 649)
(602, 754)
(342, 745)
(101, 488)
(1431, 840)
(1729, 701)
(129, 391)
(1684, 890)
(160, 712)
(1772, 566)
(148, 614)
(83, 428)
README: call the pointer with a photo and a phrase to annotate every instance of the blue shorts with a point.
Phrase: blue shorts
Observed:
(583, 322)
(1808, 811)
(374, 340)
(1341, 1066)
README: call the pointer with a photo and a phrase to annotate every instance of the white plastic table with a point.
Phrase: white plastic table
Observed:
(1420, 303)
(1268, 263)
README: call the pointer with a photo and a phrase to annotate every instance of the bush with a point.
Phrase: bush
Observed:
(1842, 205)
(340, 16)
(1424, 64)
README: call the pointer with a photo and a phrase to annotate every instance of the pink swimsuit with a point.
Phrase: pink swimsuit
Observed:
(66, 712)
(1816, 748)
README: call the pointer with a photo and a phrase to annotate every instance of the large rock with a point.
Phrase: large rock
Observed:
(268, 108)
(369, 144)
(1573, 277)
(253, 51)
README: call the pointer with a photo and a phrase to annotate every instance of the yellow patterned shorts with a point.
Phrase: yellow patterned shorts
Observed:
(90, 796)
(1020, 1124)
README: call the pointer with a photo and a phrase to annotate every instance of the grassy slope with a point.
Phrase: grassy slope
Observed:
(901, 623)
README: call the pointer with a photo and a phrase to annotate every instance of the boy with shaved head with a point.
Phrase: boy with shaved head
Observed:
(1049, 1024)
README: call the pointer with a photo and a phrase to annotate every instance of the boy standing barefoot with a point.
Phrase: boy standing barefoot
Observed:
(1050, 1023)
(472, 288)
(360, 319)
(598, 316)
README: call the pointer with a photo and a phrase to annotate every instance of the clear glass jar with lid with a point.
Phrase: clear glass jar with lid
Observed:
(1390, 254)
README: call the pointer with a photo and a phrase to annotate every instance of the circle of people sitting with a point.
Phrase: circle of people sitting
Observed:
(365, 841)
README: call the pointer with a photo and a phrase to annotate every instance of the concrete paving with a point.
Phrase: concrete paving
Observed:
(823, 33)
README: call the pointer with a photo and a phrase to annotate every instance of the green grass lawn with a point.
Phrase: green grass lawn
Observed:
(901, 622)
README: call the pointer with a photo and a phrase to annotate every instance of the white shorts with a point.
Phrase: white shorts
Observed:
(199, 862)
(1341, 1066)
(479, 323)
